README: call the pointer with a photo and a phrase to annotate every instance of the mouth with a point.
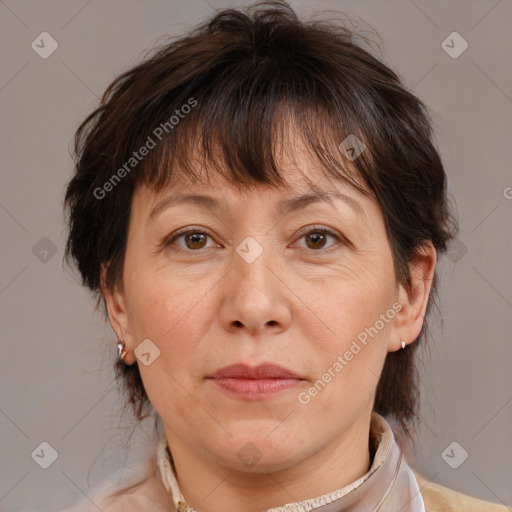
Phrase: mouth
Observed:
(255, 383)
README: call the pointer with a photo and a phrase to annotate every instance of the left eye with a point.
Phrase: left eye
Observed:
(316, 238)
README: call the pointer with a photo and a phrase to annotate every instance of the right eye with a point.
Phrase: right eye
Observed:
(193, 239)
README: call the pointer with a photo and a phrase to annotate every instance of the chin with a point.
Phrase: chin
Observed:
(258, 453)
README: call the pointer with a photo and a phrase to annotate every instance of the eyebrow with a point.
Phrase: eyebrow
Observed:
(284, 207)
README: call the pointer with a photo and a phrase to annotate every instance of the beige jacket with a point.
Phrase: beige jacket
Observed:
(439, 498)
(389, 486)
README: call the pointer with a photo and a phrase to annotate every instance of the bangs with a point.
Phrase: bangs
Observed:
(246, 145)
(239, 121)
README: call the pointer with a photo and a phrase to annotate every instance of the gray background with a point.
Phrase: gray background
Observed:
(56, 359)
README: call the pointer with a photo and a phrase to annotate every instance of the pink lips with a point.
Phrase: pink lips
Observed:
(257, 382)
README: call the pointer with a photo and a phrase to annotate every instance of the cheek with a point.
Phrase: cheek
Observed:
(350, 353)
(350, 309)
(173, 314)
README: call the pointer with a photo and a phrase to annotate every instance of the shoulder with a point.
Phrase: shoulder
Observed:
(135, 489)
(443, 499)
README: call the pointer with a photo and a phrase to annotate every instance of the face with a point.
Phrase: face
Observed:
(259, 278)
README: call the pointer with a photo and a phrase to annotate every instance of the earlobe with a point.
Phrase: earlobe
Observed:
(414, 298)
(118, 317)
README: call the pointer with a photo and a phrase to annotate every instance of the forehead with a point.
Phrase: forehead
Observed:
(216, 193)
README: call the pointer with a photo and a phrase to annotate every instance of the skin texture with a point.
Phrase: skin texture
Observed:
(299, 304)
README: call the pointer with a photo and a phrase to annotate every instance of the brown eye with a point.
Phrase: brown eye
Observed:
(195, 240)
(192, 240)
(317, 238)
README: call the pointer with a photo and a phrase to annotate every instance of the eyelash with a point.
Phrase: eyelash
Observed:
(314, 229)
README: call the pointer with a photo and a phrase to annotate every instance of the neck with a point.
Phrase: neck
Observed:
(208, 486)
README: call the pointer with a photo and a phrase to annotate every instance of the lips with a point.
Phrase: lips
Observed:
(261, 382)
(262, 371)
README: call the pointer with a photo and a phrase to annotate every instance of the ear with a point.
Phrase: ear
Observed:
(118, 316)
(414, 298)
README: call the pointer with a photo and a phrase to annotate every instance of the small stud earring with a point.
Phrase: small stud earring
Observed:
(121, 349)
(403, 344)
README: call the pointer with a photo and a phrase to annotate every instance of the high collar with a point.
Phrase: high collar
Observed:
(388, 486)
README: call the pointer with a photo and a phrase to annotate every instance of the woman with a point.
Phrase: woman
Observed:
(259, 206)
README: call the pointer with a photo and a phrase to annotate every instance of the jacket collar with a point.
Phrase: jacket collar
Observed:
(389, 485)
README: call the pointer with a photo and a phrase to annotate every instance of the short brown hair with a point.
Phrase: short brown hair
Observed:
(244, 74)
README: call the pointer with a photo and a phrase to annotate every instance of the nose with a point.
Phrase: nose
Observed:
(255, 298)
